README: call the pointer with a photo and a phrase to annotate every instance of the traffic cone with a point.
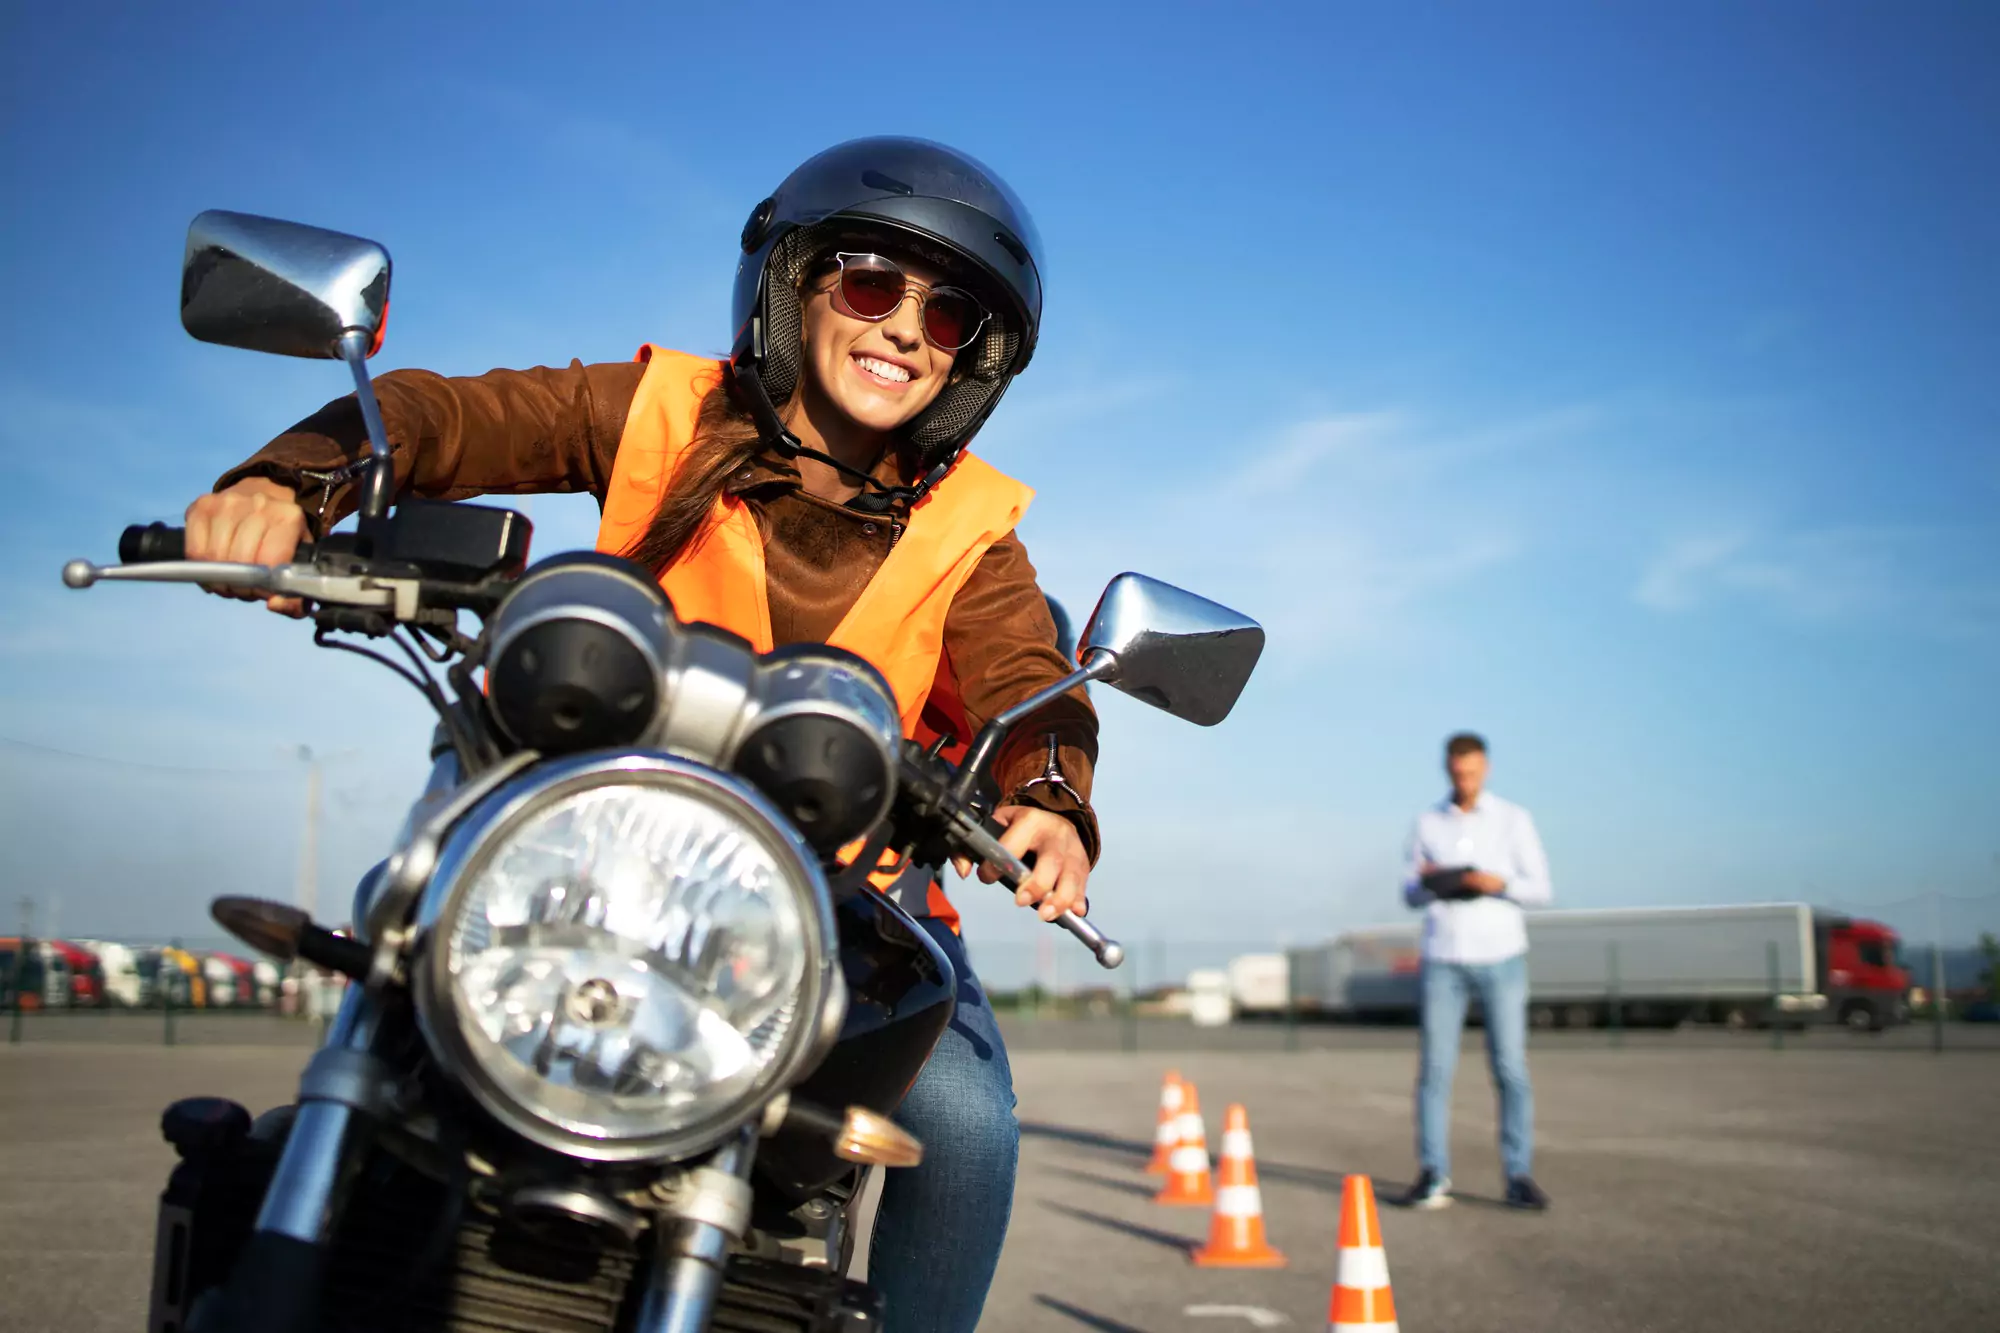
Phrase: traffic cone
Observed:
(1188, 1185)
(1168, 1133)
(1236, 1232)
(1361, 1300)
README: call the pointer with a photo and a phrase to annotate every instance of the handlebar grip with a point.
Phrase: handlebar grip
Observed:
(155, 543)
(151, 543)
(1108, 952)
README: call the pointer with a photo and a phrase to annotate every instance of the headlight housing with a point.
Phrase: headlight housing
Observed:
(625, 955)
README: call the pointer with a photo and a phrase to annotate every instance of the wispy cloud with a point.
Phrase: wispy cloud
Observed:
(1940, 579)
(1334, 528)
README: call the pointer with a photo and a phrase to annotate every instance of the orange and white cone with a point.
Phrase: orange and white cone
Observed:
(1361, 1299)
(1168, 1133)
(1188, 1184)
(1236, 1232)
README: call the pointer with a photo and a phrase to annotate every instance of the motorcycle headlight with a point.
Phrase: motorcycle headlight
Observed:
(626, 956)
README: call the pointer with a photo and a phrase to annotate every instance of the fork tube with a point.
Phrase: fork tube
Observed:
(691, 1257)
(304, 1188)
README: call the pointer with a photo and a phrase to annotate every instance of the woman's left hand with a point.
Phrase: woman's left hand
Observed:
(1062, 867)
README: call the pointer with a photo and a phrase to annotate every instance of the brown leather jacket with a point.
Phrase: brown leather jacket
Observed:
(522, 432)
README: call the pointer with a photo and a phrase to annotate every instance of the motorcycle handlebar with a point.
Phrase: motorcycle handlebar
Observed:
(1014, 871)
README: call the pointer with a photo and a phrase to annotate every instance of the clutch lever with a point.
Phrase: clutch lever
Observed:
(398, 596)
(980, 842)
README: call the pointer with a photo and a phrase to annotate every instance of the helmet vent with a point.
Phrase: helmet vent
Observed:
(875, 180)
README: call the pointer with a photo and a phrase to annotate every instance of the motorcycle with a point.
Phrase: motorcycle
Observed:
(629, 1011)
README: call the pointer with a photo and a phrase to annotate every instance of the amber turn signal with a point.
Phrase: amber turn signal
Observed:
(875, 1140)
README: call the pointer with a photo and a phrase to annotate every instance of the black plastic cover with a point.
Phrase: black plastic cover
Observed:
(459, 541)
(901, 992)
(196, 1126)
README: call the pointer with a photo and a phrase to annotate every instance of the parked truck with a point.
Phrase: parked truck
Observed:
(1257, 984)
(1743, 965)
(123, 984)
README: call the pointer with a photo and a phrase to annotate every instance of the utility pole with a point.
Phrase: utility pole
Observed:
(308, 891)
(1937, 971)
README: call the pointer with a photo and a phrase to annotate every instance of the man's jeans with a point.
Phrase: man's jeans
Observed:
(940, 1226)
(1502, 989)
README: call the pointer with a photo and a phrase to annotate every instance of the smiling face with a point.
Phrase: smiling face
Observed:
(879, 375)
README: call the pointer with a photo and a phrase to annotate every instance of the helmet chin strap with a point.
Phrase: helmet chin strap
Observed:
(875, 497)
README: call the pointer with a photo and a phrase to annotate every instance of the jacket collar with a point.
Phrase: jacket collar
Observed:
(766, 473)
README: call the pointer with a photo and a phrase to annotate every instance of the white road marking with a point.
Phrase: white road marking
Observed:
(1257, 1315)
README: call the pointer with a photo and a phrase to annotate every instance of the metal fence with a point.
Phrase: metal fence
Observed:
(1050, 995)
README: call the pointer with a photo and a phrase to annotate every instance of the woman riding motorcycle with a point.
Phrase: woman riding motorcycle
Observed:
(813, 488)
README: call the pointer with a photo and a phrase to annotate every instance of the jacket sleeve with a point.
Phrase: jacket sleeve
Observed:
(1001, 641)
(507, 432)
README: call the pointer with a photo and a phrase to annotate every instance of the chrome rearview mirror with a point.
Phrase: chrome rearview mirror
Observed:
(294, 290)
(283, 287)
(1174, 650)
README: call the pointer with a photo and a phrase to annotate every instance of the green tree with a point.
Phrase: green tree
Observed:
(1991, 948)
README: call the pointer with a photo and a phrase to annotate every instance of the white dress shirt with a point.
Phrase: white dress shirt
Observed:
(1495, 836)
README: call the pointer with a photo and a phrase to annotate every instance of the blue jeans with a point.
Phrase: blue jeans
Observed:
(940, 1226)
(1502, 989)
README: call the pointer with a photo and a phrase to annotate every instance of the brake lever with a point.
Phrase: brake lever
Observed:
(296, 580)
(1013, 871)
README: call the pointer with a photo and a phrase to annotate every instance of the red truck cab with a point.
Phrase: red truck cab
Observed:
(247, 996)
(1862, 972)
(86, 974)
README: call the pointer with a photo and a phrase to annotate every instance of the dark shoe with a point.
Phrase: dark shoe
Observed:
(1431, 1190)
(1525, 1193)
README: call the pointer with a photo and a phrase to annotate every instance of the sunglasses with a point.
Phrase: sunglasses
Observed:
(874, 288)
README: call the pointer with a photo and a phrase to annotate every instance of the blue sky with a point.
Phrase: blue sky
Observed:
(1616, 381)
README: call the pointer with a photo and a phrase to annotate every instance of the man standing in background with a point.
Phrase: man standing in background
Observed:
(1474, 862)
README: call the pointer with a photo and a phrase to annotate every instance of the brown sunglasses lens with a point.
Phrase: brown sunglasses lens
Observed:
(870, 289)
(950, 319)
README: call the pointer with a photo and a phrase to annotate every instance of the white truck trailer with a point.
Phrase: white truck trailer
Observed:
(1657, 966)
(1257, 984)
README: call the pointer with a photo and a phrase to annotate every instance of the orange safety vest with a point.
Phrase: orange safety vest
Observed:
(898, 621)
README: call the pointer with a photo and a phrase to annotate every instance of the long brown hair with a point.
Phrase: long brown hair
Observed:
(725, 438)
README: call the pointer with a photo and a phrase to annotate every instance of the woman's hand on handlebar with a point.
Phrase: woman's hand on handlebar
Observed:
(1061, 865)
(254, 522)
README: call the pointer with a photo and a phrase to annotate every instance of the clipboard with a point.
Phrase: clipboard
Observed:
(1448, 885)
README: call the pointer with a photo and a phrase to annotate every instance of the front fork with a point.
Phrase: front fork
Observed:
(344, 1093)
(692, 1247)
(346, 1090)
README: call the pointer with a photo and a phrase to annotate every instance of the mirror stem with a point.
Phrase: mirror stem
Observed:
(1100, 666)
(378, 490)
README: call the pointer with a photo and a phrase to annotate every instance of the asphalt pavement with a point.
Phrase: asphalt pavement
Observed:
(1822, 1189)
